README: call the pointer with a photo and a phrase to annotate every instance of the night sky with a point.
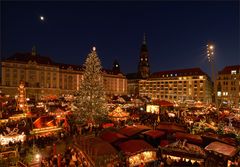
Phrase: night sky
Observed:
(177, 32)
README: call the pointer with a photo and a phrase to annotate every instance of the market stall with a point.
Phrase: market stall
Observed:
(181, 149)
(99, 151)
(13, 138)
(118, 114)
(221, 154)
(45, 124)
(137, 152)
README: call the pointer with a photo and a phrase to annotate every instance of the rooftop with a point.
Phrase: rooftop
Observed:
(178, 72)
(229, 69)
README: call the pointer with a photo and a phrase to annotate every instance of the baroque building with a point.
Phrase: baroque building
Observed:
(227, 86)
(44, 77)
(175, 85)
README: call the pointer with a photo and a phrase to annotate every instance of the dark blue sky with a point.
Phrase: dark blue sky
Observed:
(177, 32)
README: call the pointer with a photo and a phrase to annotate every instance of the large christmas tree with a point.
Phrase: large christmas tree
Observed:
(90, 103)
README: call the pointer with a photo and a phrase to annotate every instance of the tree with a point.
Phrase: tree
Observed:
(90, 103)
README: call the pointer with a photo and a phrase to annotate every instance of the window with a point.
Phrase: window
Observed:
(234, 72)
(225, 93)
(7, 83)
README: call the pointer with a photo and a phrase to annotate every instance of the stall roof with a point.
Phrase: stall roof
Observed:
(222, 148)
(154, 133)
(171, 127)
(134, 146)
(216, 137)
(111, 137)
(133, 130)
(190, 137)
(97, 146)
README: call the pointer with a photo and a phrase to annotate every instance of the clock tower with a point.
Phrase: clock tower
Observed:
(143, 65)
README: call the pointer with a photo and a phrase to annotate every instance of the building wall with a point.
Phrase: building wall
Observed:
(44, 80)
(177, 88)
(133, 86)
(115, 84)
(227, 88)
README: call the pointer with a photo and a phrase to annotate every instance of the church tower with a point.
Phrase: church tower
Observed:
(143, 65)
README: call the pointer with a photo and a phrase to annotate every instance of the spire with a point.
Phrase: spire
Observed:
(34, 51)
(143, 66)
(144, 39)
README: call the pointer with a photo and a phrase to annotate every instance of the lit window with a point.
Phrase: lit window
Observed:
(171, 75)
(233, 72)
(200, 77)
(225, 93)
(219, 93)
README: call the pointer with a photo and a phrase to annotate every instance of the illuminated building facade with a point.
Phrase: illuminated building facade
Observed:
(227, 86)
(43, 77)
(175, 85)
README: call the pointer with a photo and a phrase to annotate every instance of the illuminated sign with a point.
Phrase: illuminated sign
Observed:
(153, 109)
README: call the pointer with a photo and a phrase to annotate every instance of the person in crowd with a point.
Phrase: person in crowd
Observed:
(74, 159)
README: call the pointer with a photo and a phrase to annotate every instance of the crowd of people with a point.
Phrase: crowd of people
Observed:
(169, 162)
(70, 158)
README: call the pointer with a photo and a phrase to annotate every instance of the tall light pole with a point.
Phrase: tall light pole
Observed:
(210, 56)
